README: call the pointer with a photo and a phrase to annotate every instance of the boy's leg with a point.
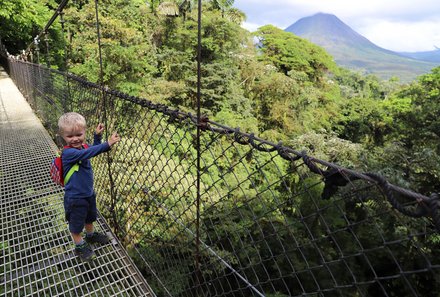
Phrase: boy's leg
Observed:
(89, 228)
(77, 238)
(94, 237)
(91, 235)
(76, 213)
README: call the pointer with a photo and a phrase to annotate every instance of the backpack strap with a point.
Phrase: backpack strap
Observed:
(69, 174)
(75, 166)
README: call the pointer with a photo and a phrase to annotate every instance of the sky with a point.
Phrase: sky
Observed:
(397, 25)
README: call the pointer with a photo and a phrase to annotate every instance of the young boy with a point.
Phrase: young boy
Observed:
(79, 197)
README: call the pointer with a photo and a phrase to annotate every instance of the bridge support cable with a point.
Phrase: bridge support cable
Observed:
(198, 104)
(102, 114)
(66, 94)
(46, 40)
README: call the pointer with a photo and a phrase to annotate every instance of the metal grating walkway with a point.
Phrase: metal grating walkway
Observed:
(36, 251)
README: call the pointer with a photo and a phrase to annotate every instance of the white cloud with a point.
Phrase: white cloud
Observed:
(403, 36)
(251, 26)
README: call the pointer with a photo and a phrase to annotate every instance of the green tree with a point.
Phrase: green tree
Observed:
(289, 52)
(128, 54)
(290, 85)
(414, 149)
(225, 7)
(22, 20)
(423, 118)
(364, 121)
(221, 45)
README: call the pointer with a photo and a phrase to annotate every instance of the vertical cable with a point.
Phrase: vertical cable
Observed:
(98, 32)
(199, 57)
(63, 31)
(40, 80)
(37, 49)
(46, 40)
(66, 97)
(101, 71)
(104, 104)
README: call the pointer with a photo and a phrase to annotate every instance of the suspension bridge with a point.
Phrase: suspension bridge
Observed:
(196, 208)
(270, 221)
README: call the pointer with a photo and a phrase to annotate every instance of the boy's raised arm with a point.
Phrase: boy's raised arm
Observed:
(72, 155)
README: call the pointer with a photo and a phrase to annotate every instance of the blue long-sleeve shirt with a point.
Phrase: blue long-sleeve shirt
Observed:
(80, 184)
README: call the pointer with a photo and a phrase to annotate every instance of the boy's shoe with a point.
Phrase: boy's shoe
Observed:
(97, 237)
(85, 252)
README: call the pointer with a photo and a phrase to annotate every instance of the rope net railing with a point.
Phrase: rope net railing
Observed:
(273, 221)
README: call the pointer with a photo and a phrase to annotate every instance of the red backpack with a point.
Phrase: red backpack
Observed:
(56, 168)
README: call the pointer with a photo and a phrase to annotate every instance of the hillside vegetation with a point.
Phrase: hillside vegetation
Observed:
(286, 89)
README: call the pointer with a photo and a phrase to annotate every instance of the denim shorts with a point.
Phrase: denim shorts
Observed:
(80, 211)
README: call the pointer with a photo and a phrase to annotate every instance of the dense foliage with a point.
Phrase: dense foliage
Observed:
(21, 20)
(283, 88)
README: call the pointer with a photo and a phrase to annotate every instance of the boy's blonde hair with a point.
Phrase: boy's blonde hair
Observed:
(71, 120)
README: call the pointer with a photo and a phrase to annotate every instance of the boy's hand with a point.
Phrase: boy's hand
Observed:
(114, 139)
(99, 129)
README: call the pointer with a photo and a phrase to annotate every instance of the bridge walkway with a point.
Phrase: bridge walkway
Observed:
(36, 250)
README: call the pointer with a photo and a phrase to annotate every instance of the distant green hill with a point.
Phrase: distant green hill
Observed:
(352, 50)
(430, 56)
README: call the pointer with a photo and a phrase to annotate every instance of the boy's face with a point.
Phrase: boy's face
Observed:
(74, 137)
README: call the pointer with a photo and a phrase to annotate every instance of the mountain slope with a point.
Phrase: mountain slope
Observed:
(352, 50)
